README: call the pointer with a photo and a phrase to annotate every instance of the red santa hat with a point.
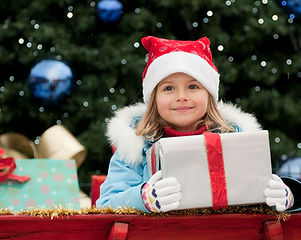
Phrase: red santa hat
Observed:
(170, 56)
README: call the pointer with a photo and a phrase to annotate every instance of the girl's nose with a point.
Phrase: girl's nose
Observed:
(182, 95)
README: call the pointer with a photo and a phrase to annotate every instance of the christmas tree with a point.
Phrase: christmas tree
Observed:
(255, 44)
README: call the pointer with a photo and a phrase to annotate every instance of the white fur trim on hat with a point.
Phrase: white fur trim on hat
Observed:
(191, 64)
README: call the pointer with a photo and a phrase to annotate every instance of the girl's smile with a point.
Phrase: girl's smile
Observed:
(181, 101)
(183, 109)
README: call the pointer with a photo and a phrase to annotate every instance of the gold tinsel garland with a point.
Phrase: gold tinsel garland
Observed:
(60, 211)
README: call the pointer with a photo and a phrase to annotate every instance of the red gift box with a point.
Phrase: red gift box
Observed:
(97, 180)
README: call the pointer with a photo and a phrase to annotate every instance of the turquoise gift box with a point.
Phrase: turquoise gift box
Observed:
(53, 183)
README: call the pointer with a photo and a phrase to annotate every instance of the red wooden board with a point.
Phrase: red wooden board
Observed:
(99, 226)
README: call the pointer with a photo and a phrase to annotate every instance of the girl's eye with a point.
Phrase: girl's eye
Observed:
(193, 86)
(168, 88)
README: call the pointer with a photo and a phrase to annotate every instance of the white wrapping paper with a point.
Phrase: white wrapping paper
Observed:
(247, 165)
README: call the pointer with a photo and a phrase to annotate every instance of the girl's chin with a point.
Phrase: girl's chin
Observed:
(184, 129)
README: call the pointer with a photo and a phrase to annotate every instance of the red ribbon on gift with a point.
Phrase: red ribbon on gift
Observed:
(216, 170)
(7, 167)
(153, 160)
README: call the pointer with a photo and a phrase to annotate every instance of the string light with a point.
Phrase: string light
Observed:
(289, 62)
(247, 28)
(209, 13)
(255, 10)
(263, 63)
(37, 140)
(260, 21)
(228, 3)
(275, 17)
(220, 48)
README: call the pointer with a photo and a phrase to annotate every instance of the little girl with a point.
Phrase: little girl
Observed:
(180, 91)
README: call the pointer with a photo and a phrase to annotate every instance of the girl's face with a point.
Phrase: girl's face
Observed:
(181, 101)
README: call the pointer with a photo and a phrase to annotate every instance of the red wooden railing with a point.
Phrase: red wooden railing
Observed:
(115, 226)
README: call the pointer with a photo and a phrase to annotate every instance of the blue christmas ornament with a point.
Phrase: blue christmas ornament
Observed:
(50, 81)
(109, 11)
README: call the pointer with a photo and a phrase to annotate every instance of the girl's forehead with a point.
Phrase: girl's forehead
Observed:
(177, 76)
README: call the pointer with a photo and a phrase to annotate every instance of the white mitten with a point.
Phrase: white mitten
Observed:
(161, 195)
(278, 194)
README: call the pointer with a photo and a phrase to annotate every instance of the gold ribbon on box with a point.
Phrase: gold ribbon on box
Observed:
(55, 143)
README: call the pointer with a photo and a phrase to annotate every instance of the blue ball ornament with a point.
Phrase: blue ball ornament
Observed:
(109, 11)
(50, 81)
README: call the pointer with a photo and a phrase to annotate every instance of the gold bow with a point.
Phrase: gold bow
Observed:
(55, 143)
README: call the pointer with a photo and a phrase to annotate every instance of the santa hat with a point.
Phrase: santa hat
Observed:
(170, 56)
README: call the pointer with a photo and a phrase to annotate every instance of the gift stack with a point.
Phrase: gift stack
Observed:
(41, 176)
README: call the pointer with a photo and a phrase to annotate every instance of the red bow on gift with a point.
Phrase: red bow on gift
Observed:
(7, 166)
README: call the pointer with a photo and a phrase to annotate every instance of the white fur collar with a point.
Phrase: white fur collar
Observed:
(129, 145)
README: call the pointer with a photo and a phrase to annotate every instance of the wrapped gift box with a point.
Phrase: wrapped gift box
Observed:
(53, 183)
(96, 181)
(238, 177)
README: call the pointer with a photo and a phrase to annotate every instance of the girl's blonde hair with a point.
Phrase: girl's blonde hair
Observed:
(151, 124)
